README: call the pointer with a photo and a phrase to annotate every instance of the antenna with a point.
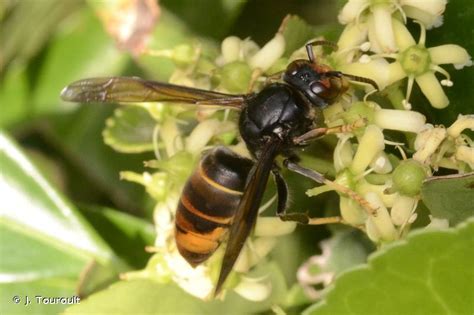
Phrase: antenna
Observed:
(309, 48)
(362, 79)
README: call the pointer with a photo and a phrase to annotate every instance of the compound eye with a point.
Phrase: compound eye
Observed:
(317, 88)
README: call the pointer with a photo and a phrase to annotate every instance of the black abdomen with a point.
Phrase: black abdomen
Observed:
(208, 203)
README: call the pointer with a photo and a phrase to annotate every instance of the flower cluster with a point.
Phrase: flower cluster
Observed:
(379, 189)
(378, 28)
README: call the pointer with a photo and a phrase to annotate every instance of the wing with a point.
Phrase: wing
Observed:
(247, 211)
(134, 89)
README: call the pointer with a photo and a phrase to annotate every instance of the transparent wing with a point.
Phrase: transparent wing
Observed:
(134, 89)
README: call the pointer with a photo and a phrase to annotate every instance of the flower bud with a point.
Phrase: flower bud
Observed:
(402, 209)
(250, 256)
(402, 120)
(235, 76)
(273, 226)
(352, 212)
(408, 177)
(465, 154)
(230, 48)
(381, 219)
(371, 144)
(343, 153)
(381, 164)
(372, 231)
(269, 53)
(254, 289)
(183, 54)
(202, 134)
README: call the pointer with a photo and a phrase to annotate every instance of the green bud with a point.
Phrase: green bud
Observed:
(205, 66)
(183, 54)
(408, 177)
(235, 76)
(415, 60)
(278, 66)
(352, 212)
(360, 110)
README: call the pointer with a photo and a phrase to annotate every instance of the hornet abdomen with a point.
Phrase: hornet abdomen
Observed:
(208, 203)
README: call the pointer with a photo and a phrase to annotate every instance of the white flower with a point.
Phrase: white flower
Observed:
(381, 220)
(419, 64)
(377, 14)
(463, 122)
(196, 281)
(234, 49)
(427, 142)
(429, 12)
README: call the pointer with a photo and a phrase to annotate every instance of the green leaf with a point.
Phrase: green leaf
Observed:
(125, 234)
(428, 273)
(296, 32)
(14, 96)
(130, 130)
(450, 197)
(147, 296)
(203, 16)
(45, 241)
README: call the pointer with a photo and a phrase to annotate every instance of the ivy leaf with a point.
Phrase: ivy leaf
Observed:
(130, 130)
(203, 16)
(428, 273)
(45, 242)
(147, 297)
(297, 32)
(450, 197)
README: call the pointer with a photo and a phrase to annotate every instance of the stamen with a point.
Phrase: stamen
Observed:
(447, 83)
(267, 204)
(406, 105)
(399, 8)
(437, 68)
(422, 39)
(365, 59)
(365, 46)
(366, 96)
(411, 79)
(402, 152)
(226, 114)
(156, 134)
(367, 172)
